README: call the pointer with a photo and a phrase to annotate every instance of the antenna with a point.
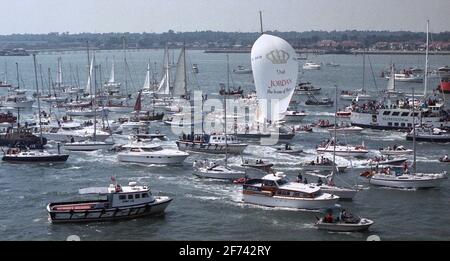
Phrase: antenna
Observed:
(260, 22)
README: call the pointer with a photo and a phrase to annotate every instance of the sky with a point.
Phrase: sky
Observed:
(99, 16)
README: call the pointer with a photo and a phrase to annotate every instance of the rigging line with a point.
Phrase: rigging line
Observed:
(373, 74)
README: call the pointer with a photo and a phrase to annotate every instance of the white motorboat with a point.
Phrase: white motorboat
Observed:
(88, 145)
(242, 70)
(66, 131)
(215, 171)
(288, 149)
(122, 202)
(429, 135)
(322, 164)
(139, 152)
(346, 129)
(275, 190)
(407, 77)
(17, 99)
(357, 95)
(294, 116)
(86, 112)
(384, 161)
(311, 66)
(306, 87)
(396, 150)
(343, 150)
(214, 143)
(346, 222)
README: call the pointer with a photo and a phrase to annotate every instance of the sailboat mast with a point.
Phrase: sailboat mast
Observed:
(18, 80)
(225, 110)
(125, 67)
(94, 92)
(261, 22)
(49, 83)
(42, 78)
(425, 80)
(364, 69)
(6, 72)
(414, 133)
(335, 130)
(38, 99)
(184, 71)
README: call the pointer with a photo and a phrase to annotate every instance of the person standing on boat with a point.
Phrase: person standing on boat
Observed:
(299, 177)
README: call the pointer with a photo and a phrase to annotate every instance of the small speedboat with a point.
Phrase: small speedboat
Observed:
(216, 171)
(294, 116)
(287, 149)
(444, 159)
(396, 150)
(385, 161)
(259, 164)
(346, 129)
(346, 222)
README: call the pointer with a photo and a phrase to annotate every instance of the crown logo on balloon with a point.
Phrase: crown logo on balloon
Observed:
(278, 56)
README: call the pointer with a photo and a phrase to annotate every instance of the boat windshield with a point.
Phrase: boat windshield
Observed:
(282, 181)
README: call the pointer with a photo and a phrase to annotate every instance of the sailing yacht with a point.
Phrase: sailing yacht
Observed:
(358, 94)
(91, 144)
(214, 170)
(24, 155)
(344, 193)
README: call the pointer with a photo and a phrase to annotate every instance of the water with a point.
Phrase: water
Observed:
(212, 210)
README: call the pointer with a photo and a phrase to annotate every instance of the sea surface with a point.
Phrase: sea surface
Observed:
(212, 210)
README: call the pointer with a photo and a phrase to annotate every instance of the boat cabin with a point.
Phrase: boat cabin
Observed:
(278, 185)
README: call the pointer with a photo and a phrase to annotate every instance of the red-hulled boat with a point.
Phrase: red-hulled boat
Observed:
(7, 118)
(444, 73)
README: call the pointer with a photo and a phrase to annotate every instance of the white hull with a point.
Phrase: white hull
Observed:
(219, 173)
(396, 153)
(88, 146)
(66, 137)
(350, 130)
(363, 224)
(25, 104)
(119, 109)
(342, 193)
(211, 148)
(152, 158)
(286, 202)
(354, 97)
(408, 181)
(343, 153)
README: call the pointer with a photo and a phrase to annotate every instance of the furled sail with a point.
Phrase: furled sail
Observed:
(88, 84)
(111, 77)
(391, 82)
(147, 79)
(275, 75)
